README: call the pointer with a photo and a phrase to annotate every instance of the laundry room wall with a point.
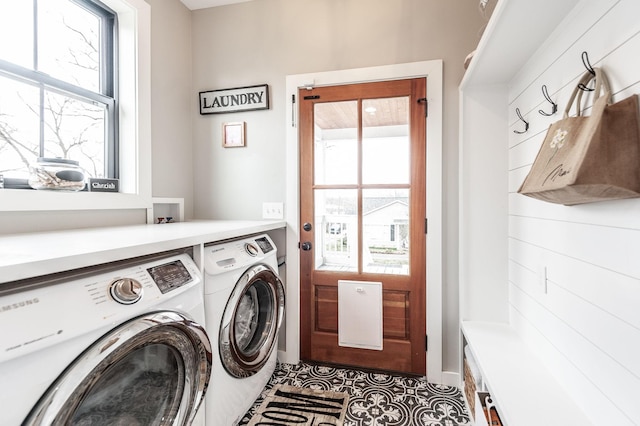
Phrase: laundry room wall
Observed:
(585, 324)
(261, 42)
(172, 102)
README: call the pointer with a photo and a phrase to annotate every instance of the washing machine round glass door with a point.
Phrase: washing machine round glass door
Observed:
(250, 323)
(152, 370)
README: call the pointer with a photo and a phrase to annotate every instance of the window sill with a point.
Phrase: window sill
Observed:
(32, 200)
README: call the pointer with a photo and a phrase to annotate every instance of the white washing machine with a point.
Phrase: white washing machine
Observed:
(99, 346)
(244, 307)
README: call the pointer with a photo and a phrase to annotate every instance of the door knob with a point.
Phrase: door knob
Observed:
(307, 226)
(306, 246)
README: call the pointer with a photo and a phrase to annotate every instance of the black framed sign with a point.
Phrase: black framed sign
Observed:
(234, 100)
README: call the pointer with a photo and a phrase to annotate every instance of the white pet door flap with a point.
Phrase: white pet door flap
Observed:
(360, 314)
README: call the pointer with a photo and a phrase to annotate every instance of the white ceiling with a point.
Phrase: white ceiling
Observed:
(202, 4)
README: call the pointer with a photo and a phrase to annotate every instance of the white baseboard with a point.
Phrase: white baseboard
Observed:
(450, 378)
(287, 357)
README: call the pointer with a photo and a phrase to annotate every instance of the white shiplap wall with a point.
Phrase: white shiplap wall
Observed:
(586, 327)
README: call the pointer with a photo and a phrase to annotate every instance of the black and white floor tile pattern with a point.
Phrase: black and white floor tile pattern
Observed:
(377, 399)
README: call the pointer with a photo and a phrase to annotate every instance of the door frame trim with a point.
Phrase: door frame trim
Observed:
(433, 71)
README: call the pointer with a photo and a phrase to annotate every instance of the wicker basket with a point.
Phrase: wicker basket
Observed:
(470, 388)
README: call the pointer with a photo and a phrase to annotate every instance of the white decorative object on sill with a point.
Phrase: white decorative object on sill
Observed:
(56, 174)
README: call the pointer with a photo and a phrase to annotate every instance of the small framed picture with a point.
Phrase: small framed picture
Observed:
(233, 134)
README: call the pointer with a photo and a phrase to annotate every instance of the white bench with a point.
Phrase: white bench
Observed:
(522, 388)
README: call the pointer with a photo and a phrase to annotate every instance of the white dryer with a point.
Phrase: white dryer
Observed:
(123, 346)
(244, 307)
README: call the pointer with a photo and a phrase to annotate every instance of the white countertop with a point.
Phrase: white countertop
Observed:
(40, 253)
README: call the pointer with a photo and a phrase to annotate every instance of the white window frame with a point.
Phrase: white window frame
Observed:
(134, 59)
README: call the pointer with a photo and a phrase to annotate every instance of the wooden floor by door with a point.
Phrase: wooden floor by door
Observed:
(362, 215)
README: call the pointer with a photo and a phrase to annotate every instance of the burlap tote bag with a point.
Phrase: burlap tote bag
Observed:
(589, 158)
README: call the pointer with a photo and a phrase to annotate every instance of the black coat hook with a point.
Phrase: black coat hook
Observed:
(554, 106)
(526, 124)
(587, 65)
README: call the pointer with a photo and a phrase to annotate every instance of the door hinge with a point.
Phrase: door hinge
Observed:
(425, 102)
(293, 110)
(426, 343)
(426, 226)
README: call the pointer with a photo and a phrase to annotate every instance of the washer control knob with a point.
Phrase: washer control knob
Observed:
(126, 291)
(251, 249)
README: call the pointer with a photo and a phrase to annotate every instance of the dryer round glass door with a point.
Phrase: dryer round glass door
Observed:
(250, 323)
(152, 370)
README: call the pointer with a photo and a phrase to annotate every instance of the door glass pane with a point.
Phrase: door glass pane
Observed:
(253, 319)
(385, 223)
(143, 388)
(336, 143)
(336, 229)
(385, 141)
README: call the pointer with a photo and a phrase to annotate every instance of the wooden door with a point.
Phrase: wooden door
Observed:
(362, 216)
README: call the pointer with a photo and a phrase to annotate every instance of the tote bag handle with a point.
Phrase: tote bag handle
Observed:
(601, 80)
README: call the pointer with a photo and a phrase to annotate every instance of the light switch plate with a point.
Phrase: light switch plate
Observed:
(273, 210)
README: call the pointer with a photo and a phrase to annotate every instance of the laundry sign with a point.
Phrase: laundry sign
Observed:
(234, 100)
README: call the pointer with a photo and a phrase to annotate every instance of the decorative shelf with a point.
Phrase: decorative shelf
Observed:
(166, 210)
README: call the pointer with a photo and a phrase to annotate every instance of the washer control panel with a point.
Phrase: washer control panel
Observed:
(126, 290)
(166, 276)
(265, 244)
(251, 249)
(169, 276)
(237, 254)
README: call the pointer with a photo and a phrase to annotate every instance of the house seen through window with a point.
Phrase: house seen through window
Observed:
(57, 86)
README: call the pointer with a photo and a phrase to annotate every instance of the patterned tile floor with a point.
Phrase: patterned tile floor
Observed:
(377, 399)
